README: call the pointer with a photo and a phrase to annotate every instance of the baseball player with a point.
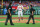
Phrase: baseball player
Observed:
(19, 8)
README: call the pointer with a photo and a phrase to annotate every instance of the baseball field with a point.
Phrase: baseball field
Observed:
(22, 23)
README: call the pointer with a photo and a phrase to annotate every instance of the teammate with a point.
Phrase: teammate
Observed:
(31, 15)
(19, 8)
(9, 16)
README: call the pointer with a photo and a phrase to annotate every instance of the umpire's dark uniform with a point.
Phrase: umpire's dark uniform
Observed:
(31, 16)
(8, 15)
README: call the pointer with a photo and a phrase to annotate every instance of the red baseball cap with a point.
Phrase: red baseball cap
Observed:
(19, 3)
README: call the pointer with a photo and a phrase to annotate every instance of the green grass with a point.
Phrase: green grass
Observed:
(17, 19)
(23, 16)
(12, 19)
(20, 25)
(37, 19)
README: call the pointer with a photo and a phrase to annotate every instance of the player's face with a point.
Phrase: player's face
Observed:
(19, 4)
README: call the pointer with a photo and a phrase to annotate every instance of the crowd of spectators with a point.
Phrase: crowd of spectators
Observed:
(24, 3)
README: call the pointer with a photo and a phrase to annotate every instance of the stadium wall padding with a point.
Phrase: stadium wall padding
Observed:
(37, 12)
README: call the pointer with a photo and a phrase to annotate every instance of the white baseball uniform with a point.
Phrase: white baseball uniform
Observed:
(20, 7)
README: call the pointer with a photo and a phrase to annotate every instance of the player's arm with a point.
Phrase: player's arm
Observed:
(9, 12)
(32, 12)
(22, 8)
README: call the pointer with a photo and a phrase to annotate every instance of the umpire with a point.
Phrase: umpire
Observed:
(31, 15)
(9, 16)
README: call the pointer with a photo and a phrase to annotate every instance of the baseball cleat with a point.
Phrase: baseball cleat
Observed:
(27, 23)
(5, 24)
(33, 23)
(12, 24)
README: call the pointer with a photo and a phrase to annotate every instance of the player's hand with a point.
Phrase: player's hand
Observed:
(10, 14)
(32, 14)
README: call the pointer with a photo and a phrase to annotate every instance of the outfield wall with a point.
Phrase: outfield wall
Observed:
(37, 11)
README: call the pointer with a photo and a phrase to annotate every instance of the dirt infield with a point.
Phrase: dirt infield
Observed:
(17, 17)
(22, 21)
